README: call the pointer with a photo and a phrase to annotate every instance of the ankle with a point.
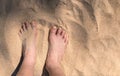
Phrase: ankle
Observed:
(52, 68)
(29, 60)
(52, 65)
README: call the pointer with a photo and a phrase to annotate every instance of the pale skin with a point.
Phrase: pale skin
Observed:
(58, 40)
(29, 50)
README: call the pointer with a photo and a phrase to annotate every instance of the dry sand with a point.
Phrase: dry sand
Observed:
(93, 27)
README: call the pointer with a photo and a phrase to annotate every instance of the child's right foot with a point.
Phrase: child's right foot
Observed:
(28, 34)
(58, 40)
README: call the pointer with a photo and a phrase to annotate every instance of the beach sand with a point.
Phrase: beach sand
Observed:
(93, 27)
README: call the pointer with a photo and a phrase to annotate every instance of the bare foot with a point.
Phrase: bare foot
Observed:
(28, 34)
(58, 40)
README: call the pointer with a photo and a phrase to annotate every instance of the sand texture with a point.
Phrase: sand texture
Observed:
(93, 27)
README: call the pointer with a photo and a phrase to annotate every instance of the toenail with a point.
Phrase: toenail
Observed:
(54, 27)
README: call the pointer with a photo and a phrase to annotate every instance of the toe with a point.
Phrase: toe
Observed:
(63, 33)
(20, 35)
(34, 24)
(24, 27)
(53, 30)
(66, 38)
(20, 32)
(59, 31)
(28, 25)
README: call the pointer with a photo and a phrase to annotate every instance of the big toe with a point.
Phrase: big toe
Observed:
(34, 24)
(53, 30)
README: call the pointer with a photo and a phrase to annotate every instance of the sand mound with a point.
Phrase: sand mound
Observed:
(93, 26)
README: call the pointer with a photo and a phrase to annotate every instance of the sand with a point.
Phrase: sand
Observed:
(93, 27)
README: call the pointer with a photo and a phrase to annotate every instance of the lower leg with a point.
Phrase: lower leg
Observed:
(26, 69)
(56, 70)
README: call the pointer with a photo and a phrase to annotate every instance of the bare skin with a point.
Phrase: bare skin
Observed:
(28, 34)
(58, 40)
